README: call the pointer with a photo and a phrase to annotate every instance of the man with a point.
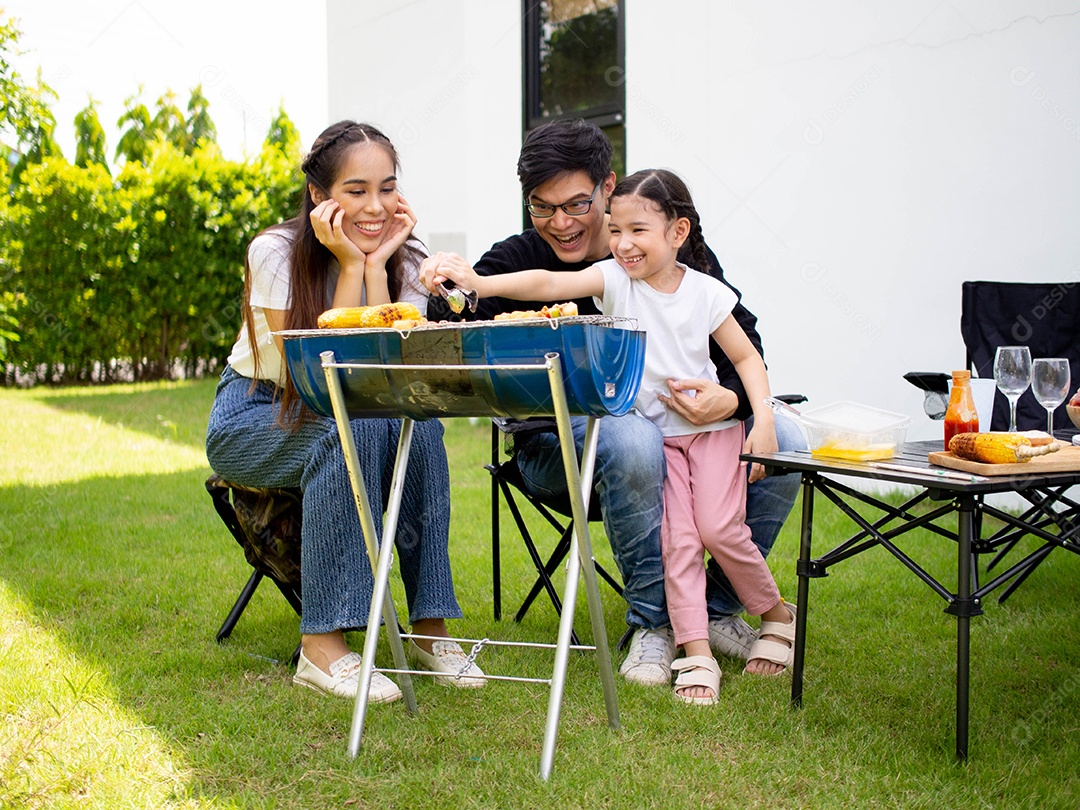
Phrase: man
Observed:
(566, 178)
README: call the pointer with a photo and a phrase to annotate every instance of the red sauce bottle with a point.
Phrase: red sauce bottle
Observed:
(960, 416)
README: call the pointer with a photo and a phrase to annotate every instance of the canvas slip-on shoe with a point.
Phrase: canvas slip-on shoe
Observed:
(344, 679)
(448, 658)
(650, 657)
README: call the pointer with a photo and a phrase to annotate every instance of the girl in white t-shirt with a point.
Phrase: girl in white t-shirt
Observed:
(350, 245)
(653, 217)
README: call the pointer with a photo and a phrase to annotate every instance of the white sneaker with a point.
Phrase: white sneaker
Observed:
(344, 679)
(650, 657)
(732, 636)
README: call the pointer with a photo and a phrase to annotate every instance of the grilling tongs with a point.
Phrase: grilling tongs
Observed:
(457, 297)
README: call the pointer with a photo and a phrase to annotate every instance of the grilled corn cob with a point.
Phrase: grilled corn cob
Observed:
(380, 316)
(384, 315)
(997, 448)
(342, 318)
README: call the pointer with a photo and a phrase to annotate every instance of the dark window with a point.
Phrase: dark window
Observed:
(574, 66)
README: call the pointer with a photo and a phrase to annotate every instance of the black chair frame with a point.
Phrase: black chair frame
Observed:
(506, 480)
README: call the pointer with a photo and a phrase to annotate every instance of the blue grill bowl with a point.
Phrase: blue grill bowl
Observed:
(601, 367)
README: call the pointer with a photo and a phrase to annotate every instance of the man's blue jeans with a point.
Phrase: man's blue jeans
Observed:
(629, 480)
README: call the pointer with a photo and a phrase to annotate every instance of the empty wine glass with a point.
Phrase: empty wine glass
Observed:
(1050, 384)
(1012, 373)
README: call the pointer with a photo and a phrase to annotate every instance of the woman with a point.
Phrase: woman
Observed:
(350, 245)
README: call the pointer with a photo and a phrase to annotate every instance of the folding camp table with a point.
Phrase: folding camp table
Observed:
(581, 365)
(1052, 517)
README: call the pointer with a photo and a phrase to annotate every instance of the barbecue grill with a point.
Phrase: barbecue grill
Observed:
(455, 369)
(588, 365)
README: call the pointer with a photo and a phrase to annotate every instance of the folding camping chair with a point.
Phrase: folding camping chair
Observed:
(266, 525)
(506, 481)
(1046, 318)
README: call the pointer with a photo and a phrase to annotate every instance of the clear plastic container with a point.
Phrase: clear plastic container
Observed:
(848, 430)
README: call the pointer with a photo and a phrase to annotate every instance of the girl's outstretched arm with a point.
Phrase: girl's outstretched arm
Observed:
(751, 370)
(524, 285)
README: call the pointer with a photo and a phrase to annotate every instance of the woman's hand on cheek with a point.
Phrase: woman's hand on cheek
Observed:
(398, 229)
(327, 220)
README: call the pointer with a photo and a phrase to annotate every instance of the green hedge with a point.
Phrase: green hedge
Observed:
(138, 277)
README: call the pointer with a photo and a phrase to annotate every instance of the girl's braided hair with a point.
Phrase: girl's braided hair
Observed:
(667, 190)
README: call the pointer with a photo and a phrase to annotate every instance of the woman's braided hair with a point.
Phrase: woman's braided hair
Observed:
(670, 194)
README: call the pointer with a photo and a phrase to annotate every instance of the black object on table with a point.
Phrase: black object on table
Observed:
(1051, 516)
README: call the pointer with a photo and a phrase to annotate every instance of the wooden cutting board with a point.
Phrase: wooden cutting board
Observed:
(1067, 459)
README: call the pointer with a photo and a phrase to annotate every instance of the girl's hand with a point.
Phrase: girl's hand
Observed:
(395, 234)
(434, 270)
(760, 439)
(326, 220)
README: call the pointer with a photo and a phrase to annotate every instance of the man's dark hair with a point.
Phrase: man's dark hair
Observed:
(559, 147)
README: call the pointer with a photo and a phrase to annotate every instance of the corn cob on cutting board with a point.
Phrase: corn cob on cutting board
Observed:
(1066, 459)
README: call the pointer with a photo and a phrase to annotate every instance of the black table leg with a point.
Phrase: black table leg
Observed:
(803, 570)
(965, 537)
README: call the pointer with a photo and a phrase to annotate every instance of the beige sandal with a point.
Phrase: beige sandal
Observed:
(697, 670)
(768, 650)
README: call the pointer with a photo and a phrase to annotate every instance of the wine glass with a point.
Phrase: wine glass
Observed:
(1050, 384)
(1012, 373)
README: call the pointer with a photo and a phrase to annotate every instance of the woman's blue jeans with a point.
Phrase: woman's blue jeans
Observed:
(246, 444)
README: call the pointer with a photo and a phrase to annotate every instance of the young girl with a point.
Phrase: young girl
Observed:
(652, 218)
(350, 245)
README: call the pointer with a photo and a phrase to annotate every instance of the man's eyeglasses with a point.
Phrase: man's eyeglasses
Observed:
(574, 208)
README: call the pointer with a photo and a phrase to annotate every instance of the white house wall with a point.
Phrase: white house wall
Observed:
(853, 162)
(442, 78)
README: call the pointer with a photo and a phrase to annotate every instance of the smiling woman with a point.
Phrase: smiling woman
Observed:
(350, 245)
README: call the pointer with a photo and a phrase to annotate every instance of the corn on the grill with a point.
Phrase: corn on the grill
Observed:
(384, 315)
(997, 448)
(380, 316)
(341, 318)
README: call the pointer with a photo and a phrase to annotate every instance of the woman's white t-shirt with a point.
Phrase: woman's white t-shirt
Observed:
(268, 263)
(679, 326)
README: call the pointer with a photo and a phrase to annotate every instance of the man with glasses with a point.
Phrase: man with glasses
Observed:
(566, 178)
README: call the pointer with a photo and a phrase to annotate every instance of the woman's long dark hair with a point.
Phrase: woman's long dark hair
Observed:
(309, 259)
(671, 195)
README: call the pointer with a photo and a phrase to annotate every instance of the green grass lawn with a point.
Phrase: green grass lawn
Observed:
(115, 574)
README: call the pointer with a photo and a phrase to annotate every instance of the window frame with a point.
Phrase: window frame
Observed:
(604, 115)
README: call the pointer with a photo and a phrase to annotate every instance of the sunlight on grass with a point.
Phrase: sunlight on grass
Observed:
(31, 431)
(64, 740)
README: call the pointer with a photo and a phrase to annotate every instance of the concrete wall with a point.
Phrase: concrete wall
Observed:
(853, 162)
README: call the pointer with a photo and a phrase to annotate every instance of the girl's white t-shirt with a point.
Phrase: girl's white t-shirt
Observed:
(268, 262)
(679, 329)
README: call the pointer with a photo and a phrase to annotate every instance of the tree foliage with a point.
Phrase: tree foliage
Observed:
(89, 137)
(136, 133)
(26, 122)
(199, 127)
(137, 277)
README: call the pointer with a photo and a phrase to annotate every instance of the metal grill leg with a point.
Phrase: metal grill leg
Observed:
(381, 557)
(579, 485)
